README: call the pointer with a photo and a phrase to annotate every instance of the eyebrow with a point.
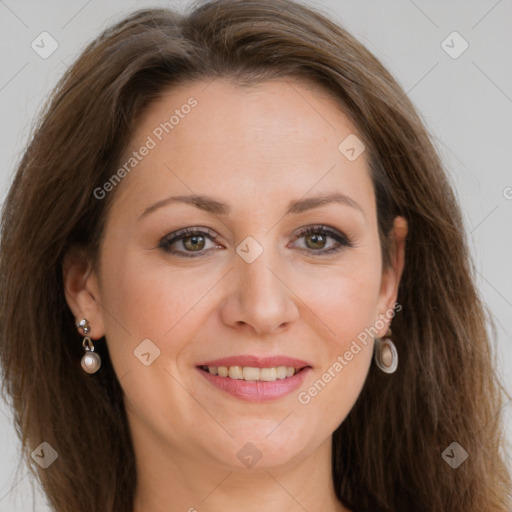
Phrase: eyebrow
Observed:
(211, 205)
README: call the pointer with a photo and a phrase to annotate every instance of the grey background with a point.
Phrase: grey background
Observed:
(466, 103)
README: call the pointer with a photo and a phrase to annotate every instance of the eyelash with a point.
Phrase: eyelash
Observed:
(181, 234)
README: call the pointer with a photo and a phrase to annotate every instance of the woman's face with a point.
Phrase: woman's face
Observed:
(248, 290)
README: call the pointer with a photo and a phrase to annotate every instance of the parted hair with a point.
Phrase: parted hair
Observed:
(387, 452)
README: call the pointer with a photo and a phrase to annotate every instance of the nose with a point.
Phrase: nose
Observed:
(260, 300)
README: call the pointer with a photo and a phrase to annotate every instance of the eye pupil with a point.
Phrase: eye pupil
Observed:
(194, 240)
(317, 239)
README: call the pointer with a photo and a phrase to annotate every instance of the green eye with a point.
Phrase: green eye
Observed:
(194, 240)
(317, 238)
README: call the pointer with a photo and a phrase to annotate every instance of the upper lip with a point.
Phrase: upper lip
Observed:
(257, 362)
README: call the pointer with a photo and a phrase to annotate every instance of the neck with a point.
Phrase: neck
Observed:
(176, 482)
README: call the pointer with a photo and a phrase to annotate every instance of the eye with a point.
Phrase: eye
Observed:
(192, 240)
(317, 238)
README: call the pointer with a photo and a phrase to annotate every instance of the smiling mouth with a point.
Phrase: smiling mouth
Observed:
(250, 373)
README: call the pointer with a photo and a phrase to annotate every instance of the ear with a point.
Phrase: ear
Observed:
(82, 291)
(391, 275)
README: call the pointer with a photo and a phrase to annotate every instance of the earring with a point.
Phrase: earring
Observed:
(385, 354)
(91, 361)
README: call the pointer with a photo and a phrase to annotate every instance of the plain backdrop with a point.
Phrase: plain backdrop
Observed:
(464, 95)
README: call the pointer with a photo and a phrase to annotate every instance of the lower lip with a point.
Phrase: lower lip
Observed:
(257, 391)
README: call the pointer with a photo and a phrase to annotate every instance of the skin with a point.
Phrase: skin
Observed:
(255, 149)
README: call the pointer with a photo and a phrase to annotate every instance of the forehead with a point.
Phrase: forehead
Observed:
(274, 139)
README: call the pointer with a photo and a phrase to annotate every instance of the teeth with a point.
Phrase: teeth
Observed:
(236, 372)
(252, 374)
(281, 372)
(268, 374)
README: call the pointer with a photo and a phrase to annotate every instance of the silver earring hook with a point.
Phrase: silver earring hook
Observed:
(84, 325)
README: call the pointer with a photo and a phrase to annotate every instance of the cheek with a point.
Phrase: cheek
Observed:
(146, 298)
(345, 302)
(344, 297)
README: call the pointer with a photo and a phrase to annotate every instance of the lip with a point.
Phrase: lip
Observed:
(257, 362)
(256, 391)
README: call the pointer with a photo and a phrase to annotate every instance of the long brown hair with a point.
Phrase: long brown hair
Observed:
(387, 453)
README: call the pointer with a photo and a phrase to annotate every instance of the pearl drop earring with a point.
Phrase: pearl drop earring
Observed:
(91, 361)
(385, 354)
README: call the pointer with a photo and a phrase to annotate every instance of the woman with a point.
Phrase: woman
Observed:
(218, 221)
